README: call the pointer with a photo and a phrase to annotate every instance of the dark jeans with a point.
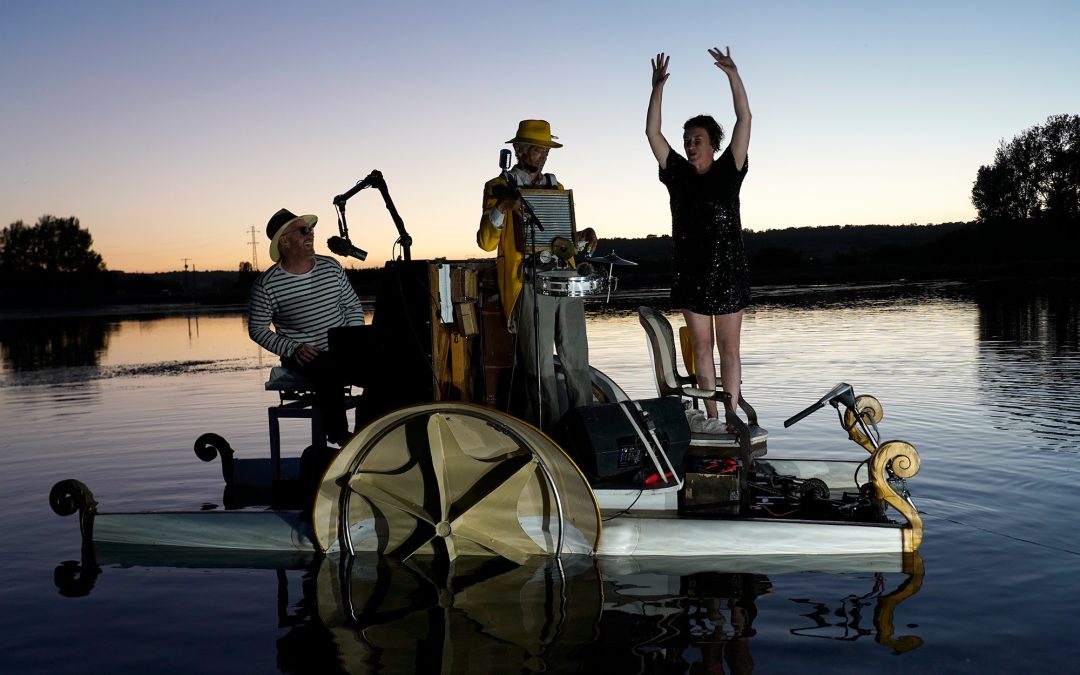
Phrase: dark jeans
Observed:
(330, 386)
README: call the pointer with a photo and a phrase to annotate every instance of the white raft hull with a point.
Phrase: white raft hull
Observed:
(630, 543)
(635, 534)
(640, 535)
(218, 530)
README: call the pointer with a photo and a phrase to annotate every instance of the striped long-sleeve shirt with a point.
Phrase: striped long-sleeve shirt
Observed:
(302, 307)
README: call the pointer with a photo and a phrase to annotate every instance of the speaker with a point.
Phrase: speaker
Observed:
(605, 446)
(400, 346)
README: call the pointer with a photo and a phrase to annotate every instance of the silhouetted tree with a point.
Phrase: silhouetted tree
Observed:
(246, 276)
(1036, 175)
(52, 245)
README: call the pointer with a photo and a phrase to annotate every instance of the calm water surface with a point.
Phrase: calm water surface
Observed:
(985, 385)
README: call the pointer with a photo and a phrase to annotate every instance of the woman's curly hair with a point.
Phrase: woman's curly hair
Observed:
(706, 122)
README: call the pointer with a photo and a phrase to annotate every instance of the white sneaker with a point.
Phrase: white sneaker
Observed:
(707, 425)
(693, 413)
(714, 425)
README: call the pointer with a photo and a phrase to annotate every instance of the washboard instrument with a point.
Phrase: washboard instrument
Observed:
(555, 210)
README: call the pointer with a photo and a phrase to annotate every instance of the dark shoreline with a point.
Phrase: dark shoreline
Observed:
(627, 300)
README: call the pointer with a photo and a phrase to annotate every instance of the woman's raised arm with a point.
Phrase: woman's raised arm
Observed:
(660, 147)
(740, 134)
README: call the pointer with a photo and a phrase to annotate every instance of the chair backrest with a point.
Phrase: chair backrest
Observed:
(661, 342)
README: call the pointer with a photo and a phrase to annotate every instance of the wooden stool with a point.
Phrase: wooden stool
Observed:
(297, 400)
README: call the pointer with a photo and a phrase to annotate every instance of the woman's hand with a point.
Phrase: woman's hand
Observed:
(659, 70)
(657, 142)
(723, 60)
(740, 133)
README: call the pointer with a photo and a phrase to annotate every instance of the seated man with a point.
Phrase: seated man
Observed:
(305, 295)
(560, 321)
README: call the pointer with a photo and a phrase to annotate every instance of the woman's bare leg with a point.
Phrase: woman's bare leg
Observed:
(701, 337)
(728, 334)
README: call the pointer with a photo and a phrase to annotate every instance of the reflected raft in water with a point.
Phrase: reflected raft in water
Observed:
(376, 614)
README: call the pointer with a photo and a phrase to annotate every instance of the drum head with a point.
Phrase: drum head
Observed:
(570, 284)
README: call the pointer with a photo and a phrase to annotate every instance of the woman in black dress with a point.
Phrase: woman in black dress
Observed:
(710, 282)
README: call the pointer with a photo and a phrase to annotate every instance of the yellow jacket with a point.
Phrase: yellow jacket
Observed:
(510, 258)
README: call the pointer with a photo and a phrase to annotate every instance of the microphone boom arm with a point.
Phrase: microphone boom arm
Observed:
(375, 178)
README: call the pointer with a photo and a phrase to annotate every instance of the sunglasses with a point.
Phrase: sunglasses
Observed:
(304, 229)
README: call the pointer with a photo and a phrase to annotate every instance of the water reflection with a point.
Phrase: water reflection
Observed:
(847, 619)
(480, 615)
(661, 623)
(371, 614)
(1029, 365)
(1044, 325)
(54, 343)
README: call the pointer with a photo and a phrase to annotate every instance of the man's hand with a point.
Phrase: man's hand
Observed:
(305, 353)
(589, 237)
(507, 200)
(512, 205)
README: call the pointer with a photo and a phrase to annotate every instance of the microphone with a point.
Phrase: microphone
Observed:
(342, 246)
(504, 164)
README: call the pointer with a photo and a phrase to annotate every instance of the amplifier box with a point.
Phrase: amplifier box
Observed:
(604, 444)
(711, 493)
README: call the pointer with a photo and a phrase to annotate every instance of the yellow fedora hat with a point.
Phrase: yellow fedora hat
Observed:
(535, 132)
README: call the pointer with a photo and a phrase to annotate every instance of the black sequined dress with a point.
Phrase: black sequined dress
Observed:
(710, 271)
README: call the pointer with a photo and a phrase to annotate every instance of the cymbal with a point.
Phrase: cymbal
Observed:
(563, 248)
(612, 259)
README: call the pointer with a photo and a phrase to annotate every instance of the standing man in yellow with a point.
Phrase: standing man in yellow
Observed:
(541, 322)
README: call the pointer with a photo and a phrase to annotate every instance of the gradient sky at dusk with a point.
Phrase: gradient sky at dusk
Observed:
(171, 128)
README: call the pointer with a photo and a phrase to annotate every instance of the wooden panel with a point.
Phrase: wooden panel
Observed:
(498, 351)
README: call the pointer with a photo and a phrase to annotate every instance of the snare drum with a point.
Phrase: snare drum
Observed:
(569, 284)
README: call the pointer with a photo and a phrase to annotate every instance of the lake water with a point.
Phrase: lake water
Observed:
(984, 383)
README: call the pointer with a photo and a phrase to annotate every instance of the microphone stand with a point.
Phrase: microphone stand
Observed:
(532, 222)
(375, 178)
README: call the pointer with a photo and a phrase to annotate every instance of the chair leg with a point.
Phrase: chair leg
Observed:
(275, 445)
(318, 438)
(275, 413)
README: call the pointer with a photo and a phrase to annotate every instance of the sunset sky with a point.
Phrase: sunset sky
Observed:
(170, 129)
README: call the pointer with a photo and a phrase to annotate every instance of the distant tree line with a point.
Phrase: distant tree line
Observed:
(1034, 177)
(53, 261)
(804, 254)
(53, 258)
(53, 245)
(1028, 199)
